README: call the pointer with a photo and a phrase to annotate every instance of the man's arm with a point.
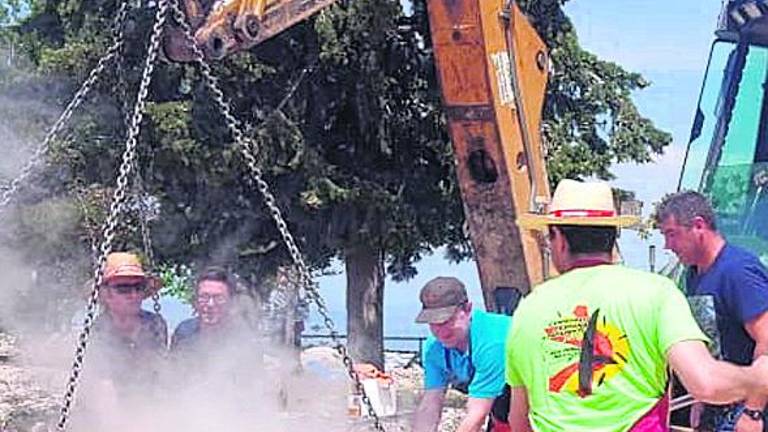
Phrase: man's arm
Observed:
(476, 416)
(427, 416)
(758, 331)
(518, 410)
(716, 382)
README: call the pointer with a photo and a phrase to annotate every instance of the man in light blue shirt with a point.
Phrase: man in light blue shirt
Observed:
(465, 351)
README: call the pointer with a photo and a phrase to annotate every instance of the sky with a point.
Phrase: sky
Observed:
(668, 42)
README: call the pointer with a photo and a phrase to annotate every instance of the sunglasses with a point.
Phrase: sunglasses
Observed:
(128, 289)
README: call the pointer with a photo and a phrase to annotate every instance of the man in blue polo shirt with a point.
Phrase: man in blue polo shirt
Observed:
(465, 351)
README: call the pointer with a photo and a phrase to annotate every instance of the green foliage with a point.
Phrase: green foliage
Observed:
(359, 154)
(74, 59)
(178, 281)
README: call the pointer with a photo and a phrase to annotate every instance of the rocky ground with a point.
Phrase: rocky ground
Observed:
(409, 382)
(29, 402)
(409, 377)
(25, 405)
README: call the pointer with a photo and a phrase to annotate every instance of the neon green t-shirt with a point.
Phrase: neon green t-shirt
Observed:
(636, 317)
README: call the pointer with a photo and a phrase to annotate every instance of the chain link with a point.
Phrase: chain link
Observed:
(146, 237)
(247, 150)
(77, 100)
(117, 208)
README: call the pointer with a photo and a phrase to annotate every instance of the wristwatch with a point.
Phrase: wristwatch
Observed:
(754, 414)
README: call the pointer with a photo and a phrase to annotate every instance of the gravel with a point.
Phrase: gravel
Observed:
(28, 403)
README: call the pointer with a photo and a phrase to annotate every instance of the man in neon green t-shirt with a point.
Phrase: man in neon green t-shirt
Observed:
(589, 349)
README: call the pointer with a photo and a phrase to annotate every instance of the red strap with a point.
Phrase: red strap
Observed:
(582, 213)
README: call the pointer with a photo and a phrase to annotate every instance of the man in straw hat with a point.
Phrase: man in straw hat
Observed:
(590, 348)
(129, 340)
(465, 351)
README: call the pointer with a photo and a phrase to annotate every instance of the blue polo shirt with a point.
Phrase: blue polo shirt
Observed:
(485, 357)
(732, 292)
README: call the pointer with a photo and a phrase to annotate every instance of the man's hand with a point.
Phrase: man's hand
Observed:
(695, 415)
(746, 424)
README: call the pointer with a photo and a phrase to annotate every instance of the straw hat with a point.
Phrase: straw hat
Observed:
(579, 203)
(126, 267)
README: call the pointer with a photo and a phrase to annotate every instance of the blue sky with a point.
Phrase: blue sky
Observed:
(668, 42)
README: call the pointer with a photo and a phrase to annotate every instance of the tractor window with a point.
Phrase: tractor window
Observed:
(739, 194)
(742, 131)
(727, 155)
(720, 60)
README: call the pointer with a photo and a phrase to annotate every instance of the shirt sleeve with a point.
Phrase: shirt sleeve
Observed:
(747, 294)
(488, 381)
(433, 360)
(675, 322)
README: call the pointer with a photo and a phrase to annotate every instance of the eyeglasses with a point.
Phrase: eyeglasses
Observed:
(126, 289)
(212, 299)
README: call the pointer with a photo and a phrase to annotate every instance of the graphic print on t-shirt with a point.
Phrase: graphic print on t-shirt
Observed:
(564, 340)
(703, 308)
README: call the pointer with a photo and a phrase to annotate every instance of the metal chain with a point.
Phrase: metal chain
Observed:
(146, 237)
(246, 148)
(76, 101)
(122, 92)
(117, 208)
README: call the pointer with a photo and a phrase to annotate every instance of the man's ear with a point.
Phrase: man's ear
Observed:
(562, 243)
(698, 222)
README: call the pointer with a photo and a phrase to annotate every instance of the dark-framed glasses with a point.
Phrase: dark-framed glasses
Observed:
(126, 289)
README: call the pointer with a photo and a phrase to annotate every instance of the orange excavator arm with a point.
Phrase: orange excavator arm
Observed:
(493, 71)
(228, 26)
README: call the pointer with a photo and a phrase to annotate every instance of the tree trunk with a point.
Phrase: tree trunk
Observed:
(365, 304)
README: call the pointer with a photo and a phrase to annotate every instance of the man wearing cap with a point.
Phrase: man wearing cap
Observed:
(465, 351)
(727, 287)
(590, 348)
(129, 341)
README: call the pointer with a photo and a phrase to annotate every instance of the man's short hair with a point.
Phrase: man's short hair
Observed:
(588, 239)
(216, 274)
(685, 206)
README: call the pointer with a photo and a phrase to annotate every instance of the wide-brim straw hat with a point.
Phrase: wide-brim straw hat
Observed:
(579, 203)
(124, 265)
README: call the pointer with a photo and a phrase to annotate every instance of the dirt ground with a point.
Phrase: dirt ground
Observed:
(29, 398)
